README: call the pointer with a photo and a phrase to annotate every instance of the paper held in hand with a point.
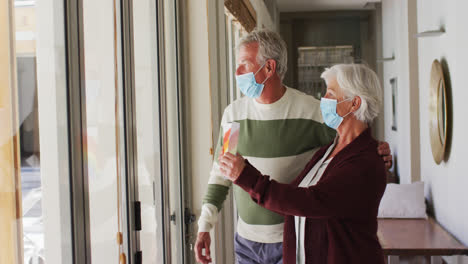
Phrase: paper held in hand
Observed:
(230, 137)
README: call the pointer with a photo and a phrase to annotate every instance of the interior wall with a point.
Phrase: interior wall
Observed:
(273, 10)
(196, 91)
(398, 27)
(446, 183)
(376, 24)
(266, 15)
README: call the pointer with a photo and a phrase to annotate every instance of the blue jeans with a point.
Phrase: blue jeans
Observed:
(250, 252)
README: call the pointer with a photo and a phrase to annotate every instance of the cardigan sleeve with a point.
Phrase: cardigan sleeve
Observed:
(350, 189)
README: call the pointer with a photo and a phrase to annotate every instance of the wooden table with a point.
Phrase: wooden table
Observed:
(417, 237)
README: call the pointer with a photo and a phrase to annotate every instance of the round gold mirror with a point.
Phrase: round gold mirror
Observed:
(437, 112)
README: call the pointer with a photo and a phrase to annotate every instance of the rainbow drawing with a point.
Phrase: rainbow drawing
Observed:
(230, 137)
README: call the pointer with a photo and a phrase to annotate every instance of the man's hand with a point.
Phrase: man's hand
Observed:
(384, 150)
(203, 242)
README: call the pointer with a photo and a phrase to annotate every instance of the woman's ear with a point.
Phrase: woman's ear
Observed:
(356, 103)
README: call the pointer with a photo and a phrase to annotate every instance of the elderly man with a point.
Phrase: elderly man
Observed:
(281, 128)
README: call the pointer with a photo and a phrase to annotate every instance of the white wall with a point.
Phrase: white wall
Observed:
(446, 183)
(398, 40)
(376, 20)
(198, 94)
(264, 19)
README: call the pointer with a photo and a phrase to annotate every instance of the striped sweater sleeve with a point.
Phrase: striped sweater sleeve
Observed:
(218, 188)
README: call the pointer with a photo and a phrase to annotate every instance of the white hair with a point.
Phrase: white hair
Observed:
(358, 80)
(270, 46)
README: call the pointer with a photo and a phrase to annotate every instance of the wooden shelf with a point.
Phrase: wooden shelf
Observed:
(430, 33)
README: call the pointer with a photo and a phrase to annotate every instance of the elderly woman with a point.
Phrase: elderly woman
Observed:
(331, 208)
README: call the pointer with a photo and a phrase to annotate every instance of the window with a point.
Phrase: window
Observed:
(71, 169)
(34, 148)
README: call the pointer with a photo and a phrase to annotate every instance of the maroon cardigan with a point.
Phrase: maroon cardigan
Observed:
(341, 209)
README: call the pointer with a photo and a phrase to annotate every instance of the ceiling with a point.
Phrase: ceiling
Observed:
(322, 5)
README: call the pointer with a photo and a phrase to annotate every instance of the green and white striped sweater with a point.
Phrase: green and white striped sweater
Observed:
(278, 139)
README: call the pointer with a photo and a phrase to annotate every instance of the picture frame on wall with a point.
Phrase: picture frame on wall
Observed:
(393, 84)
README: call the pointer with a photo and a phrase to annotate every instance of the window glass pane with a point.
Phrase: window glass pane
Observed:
(148, 129)
(174, 185)
(104, 135)
(34, 146)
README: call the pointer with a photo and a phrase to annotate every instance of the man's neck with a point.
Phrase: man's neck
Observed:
(272, 92)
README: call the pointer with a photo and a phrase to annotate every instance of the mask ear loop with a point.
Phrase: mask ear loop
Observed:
(349, 111)
(345, 100)
(259, 70)
(347, 114)
(265, 80)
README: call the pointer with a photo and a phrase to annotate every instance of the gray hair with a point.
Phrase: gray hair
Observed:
(358, 80)
(270, 46)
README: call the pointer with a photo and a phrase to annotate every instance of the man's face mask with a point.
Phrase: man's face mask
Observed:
(329, 114)
(248, 85)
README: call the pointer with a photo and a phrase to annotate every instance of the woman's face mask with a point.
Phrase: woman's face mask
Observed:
(329, 114)
(248, 85)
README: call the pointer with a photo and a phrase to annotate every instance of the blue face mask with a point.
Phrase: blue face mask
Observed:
(248, 85)
(330, 117)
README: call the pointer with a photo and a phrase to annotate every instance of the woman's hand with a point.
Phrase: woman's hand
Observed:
(231, 166)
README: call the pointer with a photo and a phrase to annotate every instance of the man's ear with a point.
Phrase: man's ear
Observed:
(271, 66)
